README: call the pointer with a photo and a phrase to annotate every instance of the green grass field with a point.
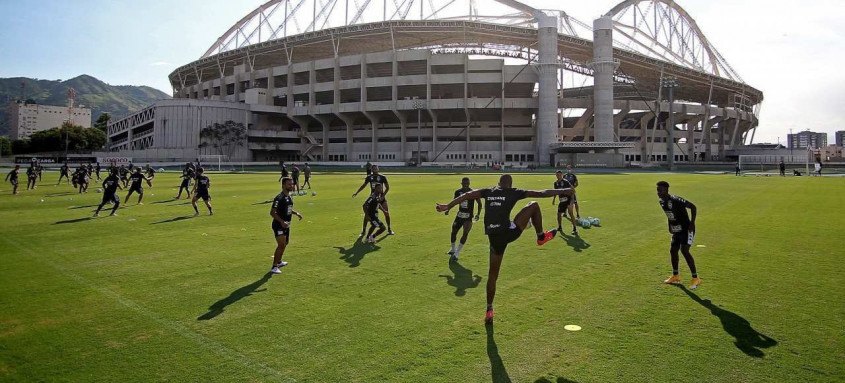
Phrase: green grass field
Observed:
(155, 295)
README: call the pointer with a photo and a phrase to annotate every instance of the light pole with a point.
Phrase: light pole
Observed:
(419, 105)
(670, 83)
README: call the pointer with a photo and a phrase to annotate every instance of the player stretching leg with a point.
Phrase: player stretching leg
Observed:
(282, 212)
(566, 204)
(499, 227)
(682, 228)
(462, 220)
(201, 187)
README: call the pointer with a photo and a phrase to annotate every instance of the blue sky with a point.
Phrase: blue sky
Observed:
(793, 53)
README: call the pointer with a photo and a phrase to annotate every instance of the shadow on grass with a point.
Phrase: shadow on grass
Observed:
(356, 253)
(241, 293)
(82, 207)
(76, 220)
(575, 242)
(559, 379)
(263, 203)
(59, 194)
(462, 280)
(497, 368)
(165, 201)
(182, 218)
(748, 340)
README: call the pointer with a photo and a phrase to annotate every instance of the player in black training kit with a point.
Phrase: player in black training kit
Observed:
(201, 186)
(186, 176)
(371, 214)
(462, 220)
(295, 175)
(282, 212)
(373, 180)
(110, 186)
(12, 177)
(136, 185)
(63, 172)
(151, 173)
(284, 171)
(565, 202)
(97, 169)
(124, 174)
(82, 179)
(573, 180)
(682, 228)
(31, 176)
(499, 227)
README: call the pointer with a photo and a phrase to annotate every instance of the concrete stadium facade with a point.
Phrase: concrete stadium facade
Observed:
(446, 91)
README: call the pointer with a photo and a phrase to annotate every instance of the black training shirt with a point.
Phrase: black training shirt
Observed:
(676, 211)
(466, 208)
(375, 180)
(499, 203)
(284, 206)
(203, 183)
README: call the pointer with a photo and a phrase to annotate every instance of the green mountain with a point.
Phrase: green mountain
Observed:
(90, 92)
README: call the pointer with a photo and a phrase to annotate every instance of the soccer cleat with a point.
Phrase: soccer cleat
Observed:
(196, 214)
(574, 231)
(275, 270)
(361, 235)
(282, 264)
(451, 252)
(672, 280)
(695, 282)
(547, 236)
(453, 258)
(391, 232)
(488, 316)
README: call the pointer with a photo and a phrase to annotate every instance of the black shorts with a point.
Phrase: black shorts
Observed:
(375, 221)
(278, 230)
(184, 184)
(111, 198)
(564, 205)
(683, 238)
(500, 239)
(295, 180)
(139, 190)
(14, 182)
(460, 222)
(203, 194)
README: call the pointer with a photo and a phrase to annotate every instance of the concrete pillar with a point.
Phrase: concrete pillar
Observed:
(547, 110)
(644, 124)
(603, 68)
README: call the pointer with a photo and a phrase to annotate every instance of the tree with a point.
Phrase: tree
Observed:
(5, 146)
(21, 147)
(225, 138)
(78, 139)
(102, 123)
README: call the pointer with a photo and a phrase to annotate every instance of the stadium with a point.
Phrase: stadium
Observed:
(446, 82)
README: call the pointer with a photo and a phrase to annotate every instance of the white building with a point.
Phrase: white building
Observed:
(26, 119)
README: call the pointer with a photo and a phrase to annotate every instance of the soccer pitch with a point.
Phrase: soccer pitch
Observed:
(155, 294)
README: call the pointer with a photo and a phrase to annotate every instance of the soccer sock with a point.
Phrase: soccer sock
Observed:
(541, 235)
(453, 247)
(675, 272)
(460, 246)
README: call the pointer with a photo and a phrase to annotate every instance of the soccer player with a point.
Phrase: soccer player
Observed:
(307, 172)
(282, 212)
(97, 169)
(295, 175)
(375, 179)
(151, 174)
(186, 176)
(136, 185)
(501, 229)
(110, 186)
(573, 180)
(201, 187)
(462, 220)
(12, 177)
(124, 174)
(782, 168)
(63, 172)
(369, 167)
(31, 176)
(682, 228)
(82, 179)
(371, 214)
(284, 171)
(736, 169)
(565, 204)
